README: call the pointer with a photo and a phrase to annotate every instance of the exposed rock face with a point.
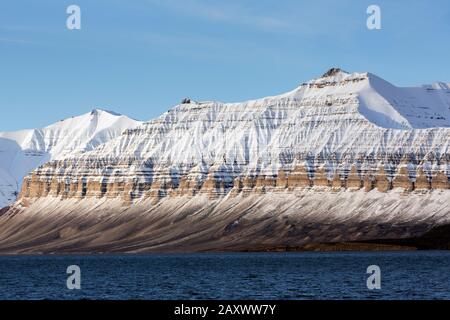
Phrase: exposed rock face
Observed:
(338, 135)
(332, 72)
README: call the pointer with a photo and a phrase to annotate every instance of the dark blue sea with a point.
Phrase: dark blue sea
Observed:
(404, 275)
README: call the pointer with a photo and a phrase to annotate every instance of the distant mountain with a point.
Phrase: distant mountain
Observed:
(346, 156)
(25, 150)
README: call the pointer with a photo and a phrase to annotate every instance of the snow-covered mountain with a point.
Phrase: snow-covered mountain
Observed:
(346, 156)
(325, 126)
(25, 150)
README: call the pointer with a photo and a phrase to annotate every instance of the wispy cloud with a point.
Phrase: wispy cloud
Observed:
(203, 47)
(16, 41)
(224, 12)
(20, 34)
(304, 19)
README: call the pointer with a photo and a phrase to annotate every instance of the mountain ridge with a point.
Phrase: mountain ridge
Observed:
(25, 150)
(326, 127)
(346, 157)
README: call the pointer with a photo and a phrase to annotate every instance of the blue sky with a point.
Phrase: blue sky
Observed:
(141, 57)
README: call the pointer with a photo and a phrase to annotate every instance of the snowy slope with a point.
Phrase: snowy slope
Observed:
(335, 118)
(22, 151)
(331, 122)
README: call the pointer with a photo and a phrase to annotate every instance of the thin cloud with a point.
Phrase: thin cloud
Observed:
(16, 33)
(306, 20)
(226, 13)
(196, 46)
(16, 41)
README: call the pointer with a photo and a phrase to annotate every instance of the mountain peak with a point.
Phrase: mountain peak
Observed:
(97, 111)
(335, 75)
(25, 150)
(333, 72)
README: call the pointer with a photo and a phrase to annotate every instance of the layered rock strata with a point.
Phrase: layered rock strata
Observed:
(366, 175)
(343, 157)
(339, 131)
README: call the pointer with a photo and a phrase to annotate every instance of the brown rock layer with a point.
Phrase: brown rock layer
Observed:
(218, 184)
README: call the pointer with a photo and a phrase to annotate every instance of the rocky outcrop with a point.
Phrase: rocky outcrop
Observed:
(380, 177)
